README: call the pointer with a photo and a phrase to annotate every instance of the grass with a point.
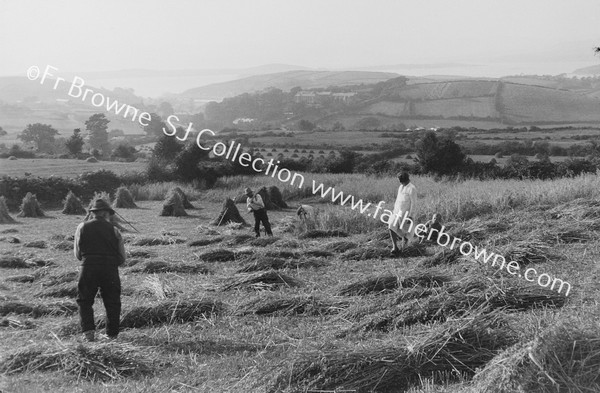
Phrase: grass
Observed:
(264, 331)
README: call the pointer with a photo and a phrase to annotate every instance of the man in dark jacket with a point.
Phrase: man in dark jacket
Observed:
(99, 245)
(256, 205)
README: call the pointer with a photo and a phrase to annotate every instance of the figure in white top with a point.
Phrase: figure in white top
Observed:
(401, 224)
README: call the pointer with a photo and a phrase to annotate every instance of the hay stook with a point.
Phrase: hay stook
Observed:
(229, 213)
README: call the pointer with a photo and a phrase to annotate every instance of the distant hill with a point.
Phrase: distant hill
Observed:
(285, 81)
(479, 100)
(592, 70)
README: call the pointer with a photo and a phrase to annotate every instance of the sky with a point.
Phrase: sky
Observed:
(83, 35)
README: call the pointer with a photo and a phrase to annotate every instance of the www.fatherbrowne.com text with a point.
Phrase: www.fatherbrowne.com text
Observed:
(77, 89)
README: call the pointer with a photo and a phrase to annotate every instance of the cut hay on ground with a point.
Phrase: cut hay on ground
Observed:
(564, 358)
(141, 254)
(171, 267)
(36, 244)
(15, 323)
(317, 254)
(296, 305)
(444, 257)
(9, 262)
(455, 300)
(577, 209)
(276, 197)
(264, 241)
(267, 263)
(341, 246)
(5, 218)
(448, 353)
(9, 230)
(73, 205)
(184, 198)
(92, 362)
(52, 280)
(261, 280)
(171, 312)
(206, 242)
(157, 288)
(238, 239)
(63, 246)
(526, 251)
(392, 282)
(59, 290)
(30, 207)
(124, 199)
(217, 255)
(37, 310)
(229, 213)
(22, 278)
(365, 253)
(13, 240)
(317, 234)
(173, 206)
(157, 241)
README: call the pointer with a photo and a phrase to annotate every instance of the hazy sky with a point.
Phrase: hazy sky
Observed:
(120, 34)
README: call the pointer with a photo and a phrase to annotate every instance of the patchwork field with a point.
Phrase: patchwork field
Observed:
(45, 167)
(322, 306)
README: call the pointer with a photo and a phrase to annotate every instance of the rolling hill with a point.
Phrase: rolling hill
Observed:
(286, 81)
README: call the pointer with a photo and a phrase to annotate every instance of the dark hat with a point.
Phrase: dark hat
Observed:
(101, 204)
(247, 191)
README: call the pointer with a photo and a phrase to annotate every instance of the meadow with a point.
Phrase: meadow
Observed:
(322, 306)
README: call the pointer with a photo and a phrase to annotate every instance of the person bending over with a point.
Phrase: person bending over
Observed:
(256, 205)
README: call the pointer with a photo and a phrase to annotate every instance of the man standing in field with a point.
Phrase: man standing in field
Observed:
(256, 205)
(99, 245)
(400, 227)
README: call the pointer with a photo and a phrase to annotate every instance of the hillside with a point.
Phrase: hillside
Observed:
(477, 100)
(591, 70)
(286, 81)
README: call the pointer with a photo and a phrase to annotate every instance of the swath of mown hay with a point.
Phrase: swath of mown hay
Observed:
(268, 280)
(392, 282)
(67, 289)
(124, 199)
(11, 322)
(73, 205)
(340, 246)
(443, 257)
(92, 362)
(318, 233)
(295, 305)
(171, 312)
(157, 241)
(446, 354)
(5, 218)
(37, 310)
(170, 267)
(36, 244)
(564, 358)
(260, 263)
(263, 241)
(63, 246)
(577, 209)
(364, 253)
(229, 213)
(456, 300)
(30, 207)
(217, 255)
(10, 262)
(141, 254)
(205, 242)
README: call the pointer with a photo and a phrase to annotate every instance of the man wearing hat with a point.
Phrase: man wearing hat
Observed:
(256, 205)
(99, 245)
